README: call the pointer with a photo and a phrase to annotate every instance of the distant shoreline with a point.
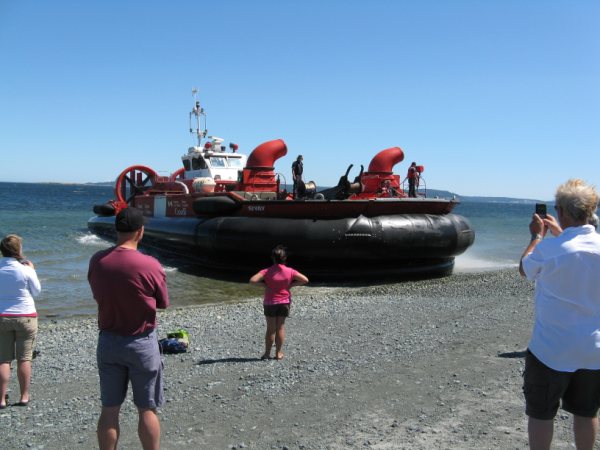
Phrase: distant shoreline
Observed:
(61, 183)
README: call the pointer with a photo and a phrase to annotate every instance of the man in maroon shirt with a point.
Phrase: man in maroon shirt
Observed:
(128, 287)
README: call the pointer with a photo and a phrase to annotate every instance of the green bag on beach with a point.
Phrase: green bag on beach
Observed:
(181, 335)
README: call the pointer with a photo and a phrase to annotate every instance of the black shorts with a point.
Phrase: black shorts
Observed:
(545, 387)
(279, 310)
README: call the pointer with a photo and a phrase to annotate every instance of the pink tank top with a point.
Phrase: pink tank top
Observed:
(278, 278)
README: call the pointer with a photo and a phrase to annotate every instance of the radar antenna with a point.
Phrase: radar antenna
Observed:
(200, 115)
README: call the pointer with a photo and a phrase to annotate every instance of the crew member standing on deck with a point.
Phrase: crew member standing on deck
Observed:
(297, 169)
(128, 287)
(563, 357)
(413, 179)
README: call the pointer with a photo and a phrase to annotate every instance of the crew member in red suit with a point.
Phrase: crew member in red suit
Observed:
(413, 179)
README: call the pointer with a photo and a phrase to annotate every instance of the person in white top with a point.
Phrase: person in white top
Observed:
(18, 317)
(563, 359)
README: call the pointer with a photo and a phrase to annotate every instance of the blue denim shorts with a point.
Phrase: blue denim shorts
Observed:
(130, 358)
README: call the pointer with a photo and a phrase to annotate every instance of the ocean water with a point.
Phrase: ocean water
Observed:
(501, 235)
(52, 219)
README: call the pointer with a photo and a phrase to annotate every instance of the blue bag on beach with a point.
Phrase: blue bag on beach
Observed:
(172, 345)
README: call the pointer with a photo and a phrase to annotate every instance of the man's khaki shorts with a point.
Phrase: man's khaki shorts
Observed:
(17, 335)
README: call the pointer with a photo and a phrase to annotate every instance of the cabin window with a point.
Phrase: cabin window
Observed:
(235, 162)
(186, 164)
(198, 163)
(217, 162)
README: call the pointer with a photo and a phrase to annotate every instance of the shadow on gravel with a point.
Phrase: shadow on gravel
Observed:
(521, 354)
(226, 360)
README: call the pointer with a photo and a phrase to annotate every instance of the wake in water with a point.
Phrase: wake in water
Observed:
(473, 264)
(93, 240)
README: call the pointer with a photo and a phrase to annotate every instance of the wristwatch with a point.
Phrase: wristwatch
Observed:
(536, 237)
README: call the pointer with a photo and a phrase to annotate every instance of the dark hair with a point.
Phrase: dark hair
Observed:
(279, 255)
(129, 220)
(11, 246)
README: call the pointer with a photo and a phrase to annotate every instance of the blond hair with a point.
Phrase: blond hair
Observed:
(577, 199)
(12, 246)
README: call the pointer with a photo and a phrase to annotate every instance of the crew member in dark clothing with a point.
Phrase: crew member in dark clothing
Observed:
(297, 169)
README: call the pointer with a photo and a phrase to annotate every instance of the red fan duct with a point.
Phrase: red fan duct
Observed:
(259, 175)
(265, 155)
(385, 160)
(381, 169)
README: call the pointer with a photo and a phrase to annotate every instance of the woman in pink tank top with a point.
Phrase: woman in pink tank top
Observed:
(277, 279)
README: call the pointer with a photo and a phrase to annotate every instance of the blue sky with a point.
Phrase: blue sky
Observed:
(494, 98)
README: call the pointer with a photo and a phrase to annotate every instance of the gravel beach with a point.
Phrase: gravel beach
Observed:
(429, 364)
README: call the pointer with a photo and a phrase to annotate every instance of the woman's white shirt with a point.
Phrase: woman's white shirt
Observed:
(19, 284)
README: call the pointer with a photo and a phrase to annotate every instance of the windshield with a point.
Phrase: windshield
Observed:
(235, 162)
(217, 161)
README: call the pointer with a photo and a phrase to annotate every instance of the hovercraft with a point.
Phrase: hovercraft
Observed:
(225, 211)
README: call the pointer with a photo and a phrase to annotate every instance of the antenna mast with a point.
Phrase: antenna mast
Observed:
(199, 114)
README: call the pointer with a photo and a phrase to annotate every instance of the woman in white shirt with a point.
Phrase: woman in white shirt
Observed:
(18, 316)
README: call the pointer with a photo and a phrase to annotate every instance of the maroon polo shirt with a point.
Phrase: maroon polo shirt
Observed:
(128, 287)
